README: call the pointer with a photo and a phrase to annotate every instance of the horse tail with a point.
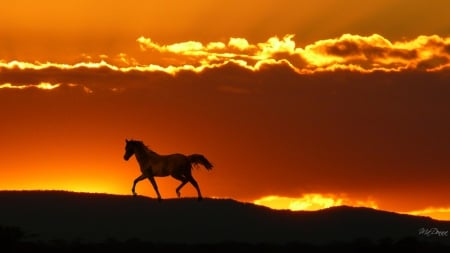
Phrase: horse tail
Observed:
(196, 159)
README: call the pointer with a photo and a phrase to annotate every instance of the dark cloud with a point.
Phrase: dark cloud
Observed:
(369, 53)
(347, 48)
(433, 62)
(94, 78)
(343, 48)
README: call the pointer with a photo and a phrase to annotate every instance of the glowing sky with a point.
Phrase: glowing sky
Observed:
(299, 104)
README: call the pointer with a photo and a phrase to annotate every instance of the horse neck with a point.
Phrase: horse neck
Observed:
(144, 155)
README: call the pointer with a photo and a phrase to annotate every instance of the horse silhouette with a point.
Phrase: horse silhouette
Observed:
(152, 165)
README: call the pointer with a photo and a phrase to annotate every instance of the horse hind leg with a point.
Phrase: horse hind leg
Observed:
(195, 184)
(183, 182)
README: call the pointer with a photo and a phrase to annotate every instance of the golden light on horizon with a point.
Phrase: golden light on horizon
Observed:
(441, 213)
(311, 202)
(317, 201)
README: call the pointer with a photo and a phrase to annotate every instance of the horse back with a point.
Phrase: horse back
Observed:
(172, 164)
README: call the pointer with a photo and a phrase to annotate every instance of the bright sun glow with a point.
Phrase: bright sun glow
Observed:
(436, 213)
(311, 202)
(317, 201)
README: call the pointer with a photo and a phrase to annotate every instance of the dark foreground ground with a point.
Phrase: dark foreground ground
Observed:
(36, 221)
(133, 245)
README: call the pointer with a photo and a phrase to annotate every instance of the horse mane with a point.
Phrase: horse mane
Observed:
(143, 146)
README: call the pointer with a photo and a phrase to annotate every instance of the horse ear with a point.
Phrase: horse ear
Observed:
(126, 140)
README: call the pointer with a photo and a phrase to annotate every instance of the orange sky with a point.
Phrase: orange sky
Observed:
(299, 106)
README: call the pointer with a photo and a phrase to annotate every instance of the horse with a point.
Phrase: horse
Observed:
(152, 165)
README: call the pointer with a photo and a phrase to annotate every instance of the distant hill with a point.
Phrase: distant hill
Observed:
(53, 215)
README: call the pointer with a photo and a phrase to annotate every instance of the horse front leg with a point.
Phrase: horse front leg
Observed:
(152, 180)
(140, 178)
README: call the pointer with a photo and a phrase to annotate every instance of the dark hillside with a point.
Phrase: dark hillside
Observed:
(51, 215)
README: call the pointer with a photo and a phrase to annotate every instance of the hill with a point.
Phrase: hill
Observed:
(89, 217)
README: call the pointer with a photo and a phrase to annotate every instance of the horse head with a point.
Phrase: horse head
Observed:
(129, 149)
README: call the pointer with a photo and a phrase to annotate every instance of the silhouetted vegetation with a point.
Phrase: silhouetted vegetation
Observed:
(10, 236)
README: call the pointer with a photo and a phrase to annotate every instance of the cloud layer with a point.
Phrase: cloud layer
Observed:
(364, 54)
(351, 52)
